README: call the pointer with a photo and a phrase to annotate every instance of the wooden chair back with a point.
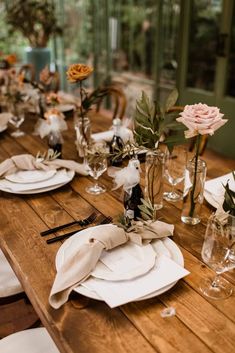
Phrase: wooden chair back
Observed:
(118, 101)
(29, 72)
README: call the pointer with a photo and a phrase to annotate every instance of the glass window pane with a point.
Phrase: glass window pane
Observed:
(204, 22)
(231, 63)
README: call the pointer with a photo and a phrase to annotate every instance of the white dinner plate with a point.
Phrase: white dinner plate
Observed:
(213, 200)
(35, 189)
(135, 260)
(30, 176)
(173, 249)
(65, 108)
(3, 128)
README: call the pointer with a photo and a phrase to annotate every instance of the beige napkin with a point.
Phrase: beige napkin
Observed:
(78, 267)
(29, 162)
(150, 230)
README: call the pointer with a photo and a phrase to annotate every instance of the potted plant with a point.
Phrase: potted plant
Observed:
(35, 20)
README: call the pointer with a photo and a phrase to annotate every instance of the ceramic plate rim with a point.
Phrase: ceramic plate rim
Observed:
(38, 191)
(210, 199)
(3, 128)
(51, 173)
(93, 295)
(69, 107)
(147, 253)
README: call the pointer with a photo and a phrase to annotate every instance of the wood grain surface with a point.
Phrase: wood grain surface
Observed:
(90, 326)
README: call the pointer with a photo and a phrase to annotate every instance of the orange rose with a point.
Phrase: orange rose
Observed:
(11, 59)
(78, 72)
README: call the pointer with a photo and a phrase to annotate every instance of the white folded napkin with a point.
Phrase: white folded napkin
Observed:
(215, 186)
(125, 133)
(77, 268)
(29, 162)
(60, 177)
(114, 294)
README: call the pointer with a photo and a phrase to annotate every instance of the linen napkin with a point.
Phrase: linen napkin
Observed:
(214, 189)
(215, 186)
(164, 273)
(125, 133)
(78, 267)
(29, 162)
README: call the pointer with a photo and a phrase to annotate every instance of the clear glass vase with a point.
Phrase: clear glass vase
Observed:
(154, 173)
(83, 134)
(195, 176)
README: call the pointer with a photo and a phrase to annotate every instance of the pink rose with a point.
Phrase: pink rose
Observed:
(201, 119)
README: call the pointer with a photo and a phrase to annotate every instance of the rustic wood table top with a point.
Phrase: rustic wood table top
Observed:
(81, 325)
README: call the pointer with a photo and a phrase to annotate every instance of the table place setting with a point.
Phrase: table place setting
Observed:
(26, 174)
(214, 189)
(108, 263)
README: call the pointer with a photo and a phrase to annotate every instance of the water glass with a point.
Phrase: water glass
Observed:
(175, 165)
(96, 160)
(217, 253)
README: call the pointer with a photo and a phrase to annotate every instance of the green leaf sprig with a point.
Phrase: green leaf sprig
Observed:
(229, 197)
(154, 122)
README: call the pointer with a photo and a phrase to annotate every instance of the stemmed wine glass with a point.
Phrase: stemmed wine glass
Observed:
(216, 253)
(17, 119)
(96, 160)
(175, 164)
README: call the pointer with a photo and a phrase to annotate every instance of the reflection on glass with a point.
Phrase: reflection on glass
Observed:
(231, 63)
(204, 28)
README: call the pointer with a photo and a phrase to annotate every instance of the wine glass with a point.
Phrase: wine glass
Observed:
(175, 164)
(216, 253)
(96, 160)
(17, 119)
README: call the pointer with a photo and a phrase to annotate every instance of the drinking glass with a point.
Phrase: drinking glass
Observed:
(175, 164)
(96, 160)
(216, 253)
(17, 119)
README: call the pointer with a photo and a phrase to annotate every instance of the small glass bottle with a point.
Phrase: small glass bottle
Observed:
(116, 143)
(55, 142)
(132, 198)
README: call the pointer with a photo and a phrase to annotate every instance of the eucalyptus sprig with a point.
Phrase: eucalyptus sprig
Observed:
(229, 197)
(155, 122)
(148, 212)
(50, 155)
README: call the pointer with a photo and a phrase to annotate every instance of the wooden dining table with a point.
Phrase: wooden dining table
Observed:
(85, 325)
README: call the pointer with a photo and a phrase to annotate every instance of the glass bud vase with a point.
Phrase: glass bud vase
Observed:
(83, 134)
(154, 172)
(55, 141)
(195, 176)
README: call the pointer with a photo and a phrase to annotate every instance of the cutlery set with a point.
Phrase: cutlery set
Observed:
(84, 223)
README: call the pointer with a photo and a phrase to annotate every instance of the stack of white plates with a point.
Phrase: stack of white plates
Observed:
(35, 181)
(128, 272)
